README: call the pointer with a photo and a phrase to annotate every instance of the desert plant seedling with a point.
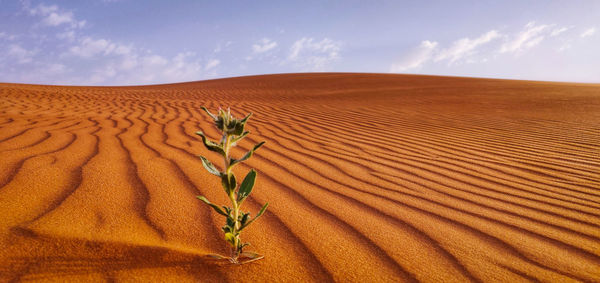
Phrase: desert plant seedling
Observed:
(237, 220)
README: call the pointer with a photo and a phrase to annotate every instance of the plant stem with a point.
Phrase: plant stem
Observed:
(232, 197)
(235, 230)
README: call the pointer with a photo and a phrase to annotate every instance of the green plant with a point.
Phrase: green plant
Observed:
(237, 220)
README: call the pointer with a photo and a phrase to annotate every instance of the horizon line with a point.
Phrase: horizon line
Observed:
(308, 73)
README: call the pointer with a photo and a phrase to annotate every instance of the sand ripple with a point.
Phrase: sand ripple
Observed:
(381, 178)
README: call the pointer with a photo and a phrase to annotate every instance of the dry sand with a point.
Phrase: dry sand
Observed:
(369, 178)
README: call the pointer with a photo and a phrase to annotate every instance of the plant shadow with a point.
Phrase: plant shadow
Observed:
(29, 256)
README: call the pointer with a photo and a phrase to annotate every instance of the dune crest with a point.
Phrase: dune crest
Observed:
(369, 176)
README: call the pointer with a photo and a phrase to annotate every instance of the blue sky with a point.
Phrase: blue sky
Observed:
(131, 42)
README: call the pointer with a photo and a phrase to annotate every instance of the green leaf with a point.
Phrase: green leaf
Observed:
(209, 114)
(236, 139)
(209, 166)
(230, 238)
(226, 229)
(246, 156)
(219, 122)
(262, 210)
(244, 218)
(246, 186)
(251, 255)
(223, 120)
(224, 116)
(230, 223)
(242, 246)
(214, 206)
(246, 118)
(236, 127)
(228, 182)
(216, 256)
(210, 145)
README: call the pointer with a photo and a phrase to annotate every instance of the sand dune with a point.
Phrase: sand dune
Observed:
(382, 178)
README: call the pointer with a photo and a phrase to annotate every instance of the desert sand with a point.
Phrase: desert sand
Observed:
(370, 178)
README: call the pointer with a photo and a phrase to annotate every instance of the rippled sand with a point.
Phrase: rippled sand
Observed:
(369, 178)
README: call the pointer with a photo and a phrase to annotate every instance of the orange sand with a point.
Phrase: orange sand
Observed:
(369, 178)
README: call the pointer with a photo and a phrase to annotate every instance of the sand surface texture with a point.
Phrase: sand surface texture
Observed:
(370, 178)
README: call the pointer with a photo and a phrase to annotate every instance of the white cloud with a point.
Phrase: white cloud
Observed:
(88, 60)
(38, 72)
(68, 35)
(470, 51)
(221, 47)
(89, 47)
(53, 16)
(43, 10)
(20, 54)
(122, 49)
(183, 67)
(588, 32)
(465, 47)
(529, 37)
(154, 61)
(122, 64)
(101, 75)
(558, 31)
(56, 68)
(422, 54)
(490, 46)
(564, 47)
(129, 62)
(534, 41)
(309, 54)
(264, 45)
(129, 65)
(211, 64)
(55, 19)
(7, 36)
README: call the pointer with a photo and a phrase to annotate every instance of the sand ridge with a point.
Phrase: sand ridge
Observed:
(370, 177)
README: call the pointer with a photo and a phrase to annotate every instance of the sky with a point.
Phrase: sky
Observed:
(135, 42)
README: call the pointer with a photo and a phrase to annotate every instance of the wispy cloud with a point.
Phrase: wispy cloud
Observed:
(460, 50)
(488, 45)
(118, 63)
(106, 61)
(465, 47)
(417, 58)
(68, 35)
(308, 54)
(588, 32)
(557, 31)
(53, 16)
(89, 47)
(264, 45)
(7, 36)
(20, 54)
(212, 64)
(135, 67)
(529, 37)
(220, 47)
